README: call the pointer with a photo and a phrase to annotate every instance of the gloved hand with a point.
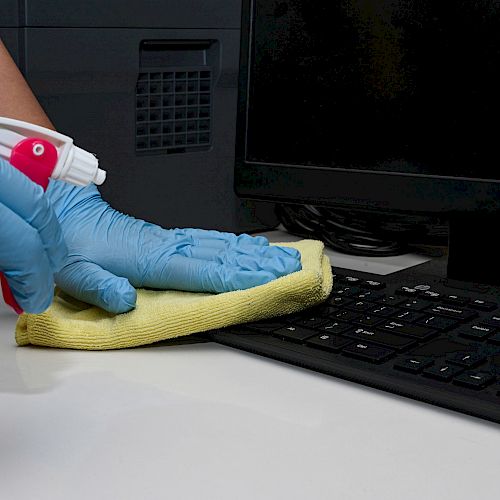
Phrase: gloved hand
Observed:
(32, 247)
(111, 253)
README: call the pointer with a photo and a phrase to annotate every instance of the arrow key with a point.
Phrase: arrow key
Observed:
(442, 371)
(474, 380)
(293, 333)
(414, 364)
(466, 359)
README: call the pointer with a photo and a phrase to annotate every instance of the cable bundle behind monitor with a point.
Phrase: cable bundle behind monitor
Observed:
(362, 232)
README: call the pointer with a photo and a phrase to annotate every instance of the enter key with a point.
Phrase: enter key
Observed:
(381, 338)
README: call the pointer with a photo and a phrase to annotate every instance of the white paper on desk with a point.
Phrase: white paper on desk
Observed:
(375, 265)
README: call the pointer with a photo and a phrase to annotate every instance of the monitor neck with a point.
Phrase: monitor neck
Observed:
(473, 253)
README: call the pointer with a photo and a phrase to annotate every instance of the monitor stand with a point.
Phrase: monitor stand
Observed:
(474, 248)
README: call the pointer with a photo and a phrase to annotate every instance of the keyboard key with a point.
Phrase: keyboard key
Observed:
(418, 332)
(483, 305)
(478, 332)
(325, 310)
(339, 301)
(294, 333)
(368, 352)
(414, 364)
(442, 371)
(456, 299)
(391, 300)
(438, 322)
(415, 304)
(373, 285)
(431, 295)
(359, 306)
(408, 316)
(352, 280)
(495, 339)
(406, 290)
(311, 322)
(332, 343)
(384, 311)
(422, 287)
(368, 320)
(346, 291)
(466, 359)
(368, 295)
(493, 321)
(292, 318)
(380, 338)
(335, 327)
(452, 312)
(474, 380)
(346, 316)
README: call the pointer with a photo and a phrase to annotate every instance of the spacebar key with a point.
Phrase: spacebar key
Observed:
(418, 332)
(368, 352)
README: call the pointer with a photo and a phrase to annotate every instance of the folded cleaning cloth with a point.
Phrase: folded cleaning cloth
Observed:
(160, 315)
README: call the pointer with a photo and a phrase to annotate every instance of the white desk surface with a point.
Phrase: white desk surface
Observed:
(204, 421)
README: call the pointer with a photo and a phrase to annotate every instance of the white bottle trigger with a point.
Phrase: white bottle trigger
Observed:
(27, 143)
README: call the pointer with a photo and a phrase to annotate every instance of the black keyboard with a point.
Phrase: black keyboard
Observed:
(420, 338)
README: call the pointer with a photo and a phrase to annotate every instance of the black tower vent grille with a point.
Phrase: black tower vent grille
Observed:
(174, 110)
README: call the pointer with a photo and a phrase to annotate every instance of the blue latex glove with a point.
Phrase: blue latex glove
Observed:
(111, 253)
(32, 248)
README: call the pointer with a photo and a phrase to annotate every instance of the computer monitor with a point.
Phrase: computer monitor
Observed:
(385, 105)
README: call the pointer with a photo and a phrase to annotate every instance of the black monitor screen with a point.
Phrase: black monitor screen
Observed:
(408, 86)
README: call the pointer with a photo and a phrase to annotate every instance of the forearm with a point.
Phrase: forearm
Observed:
(16, 98)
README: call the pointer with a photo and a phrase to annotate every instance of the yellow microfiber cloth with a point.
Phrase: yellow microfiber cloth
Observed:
(161, 315)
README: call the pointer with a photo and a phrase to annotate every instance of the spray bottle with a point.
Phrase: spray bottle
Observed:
(42, 154)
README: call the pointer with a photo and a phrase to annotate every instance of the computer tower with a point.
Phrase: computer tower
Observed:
(151, 89)
(9, 26)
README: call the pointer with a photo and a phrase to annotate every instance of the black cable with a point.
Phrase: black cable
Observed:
(361, 232)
